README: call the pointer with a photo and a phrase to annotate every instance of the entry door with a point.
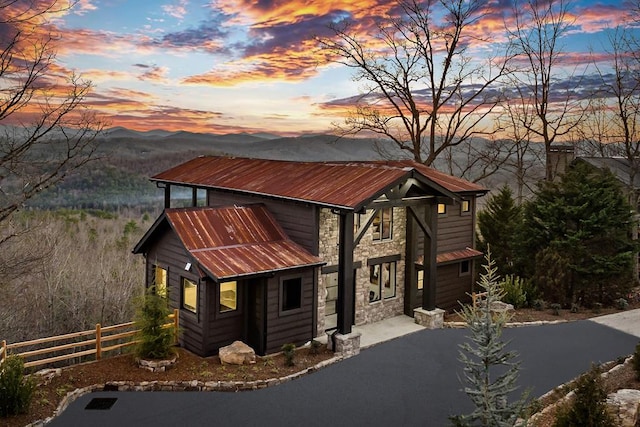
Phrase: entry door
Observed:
(331, 300)
(256, 315)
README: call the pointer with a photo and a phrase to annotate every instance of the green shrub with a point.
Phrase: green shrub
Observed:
(155, 341)
(538, 304)
(622, 304)
(514, 291)
(315, 347)
(636, 361)
(597, 307)
(589, 409)
(16, 390)
(289, 351)
(555, 309)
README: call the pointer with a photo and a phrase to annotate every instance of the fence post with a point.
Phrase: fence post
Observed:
(176, 323)
(98, 341)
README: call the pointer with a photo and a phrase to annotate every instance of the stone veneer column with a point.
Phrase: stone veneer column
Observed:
(344, 345)
(430, 319)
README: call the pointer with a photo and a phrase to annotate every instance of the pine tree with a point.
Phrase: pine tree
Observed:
(490, 372)
(498, 223)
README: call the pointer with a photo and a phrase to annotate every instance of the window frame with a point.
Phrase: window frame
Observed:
(466, 212)
(281, 308)
(443, 211)
(464, 272)
(220, 305)
(155, 268)
(380, 218)
(183, 282)
(380, 287)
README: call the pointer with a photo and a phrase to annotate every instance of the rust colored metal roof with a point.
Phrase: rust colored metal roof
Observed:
(333, 184)
(237, 241)
(449, 257)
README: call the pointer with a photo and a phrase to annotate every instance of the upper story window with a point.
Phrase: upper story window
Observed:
(442, 209)
(382, 224)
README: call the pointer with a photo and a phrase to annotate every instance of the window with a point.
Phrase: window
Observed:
(160, 280)
(189, 295)
(228, 296)
(465, 268)
(465, 207)
(291, 294)
(420, 280)
(382, 281)
(442, 209)
(382, 224)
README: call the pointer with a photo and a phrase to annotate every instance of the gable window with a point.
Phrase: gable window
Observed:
(228, 296)
(442, 209)
(160, 280)
(382, 224)
(382, 281)
(465, 268)
(189, 295)
(465, 207)
(291, 294)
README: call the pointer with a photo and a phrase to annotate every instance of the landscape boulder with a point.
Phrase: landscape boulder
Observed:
(624, 405)
(237, 353)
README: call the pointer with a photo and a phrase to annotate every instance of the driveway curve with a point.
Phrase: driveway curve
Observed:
(408, 381)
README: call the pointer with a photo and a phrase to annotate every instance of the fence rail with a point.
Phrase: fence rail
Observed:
(44, 351)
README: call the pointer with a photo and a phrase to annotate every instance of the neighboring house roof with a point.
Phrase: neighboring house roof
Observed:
(233, 241)
(348, 185)
(619, 166)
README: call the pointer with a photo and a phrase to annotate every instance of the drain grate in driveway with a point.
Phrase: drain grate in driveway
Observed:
(101, 403)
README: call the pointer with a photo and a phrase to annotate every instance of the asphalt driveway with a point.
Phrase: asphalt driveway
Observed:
(408, 381)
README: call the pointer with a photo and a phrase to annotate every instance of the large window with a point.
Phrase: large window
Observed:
(189, 295)
(228, 296)
(291, 294)
(382, 224)
(382, 281)
(160, 281)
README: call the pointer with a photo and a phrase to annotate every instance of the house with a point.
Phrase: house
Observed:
(284, 251)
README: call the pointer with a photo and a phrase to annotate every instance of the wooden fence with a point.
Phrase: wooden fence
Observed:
(78, 345)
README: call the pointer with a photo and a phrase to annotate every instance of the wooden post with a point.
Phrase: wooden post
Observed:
(176, 324)
(98, 341)
(345, 273)
(3, 351)
(430, 251)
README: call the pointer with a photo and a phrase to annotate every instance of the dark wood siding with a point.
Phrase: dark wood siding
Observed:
(455, 231)
(169, 253)
(283, 327)
(224, 328)
(452, 288)
(299, 220)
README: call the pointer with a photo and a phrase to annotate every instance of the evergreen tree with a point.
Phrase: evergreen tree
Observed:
(490, 371)
(498, 223)
(586, 220)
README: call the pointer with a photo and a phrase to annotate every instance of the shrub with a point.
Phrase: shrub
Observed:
(155, 341)
(575, 308)
(622, 304)
(514, 291)
(289, 351)
(597, 307)
(555, 309)
(636, 361)
(315, 347)
(16, 390)
(589, 409)
(538, 304)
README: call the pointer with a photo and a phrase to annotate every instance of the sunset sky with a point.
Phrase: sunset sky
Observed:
(225, 66)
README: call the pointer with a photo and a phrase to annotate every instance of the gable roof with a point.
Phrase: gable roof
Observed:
(349, 185)
(233, 241)
(619, 166)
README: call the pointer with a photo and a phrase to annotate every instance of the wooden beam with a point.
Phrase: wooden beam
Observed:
(167, 196)
(194, 196)
(410, 286)
(421, 222)
(368, 220)
(346, 291)
(430, 251)
(409, 201)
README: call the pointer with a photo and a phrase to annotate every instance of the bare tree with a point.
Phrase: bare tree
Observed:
(46, 133)
(424, 90)
(546, 92)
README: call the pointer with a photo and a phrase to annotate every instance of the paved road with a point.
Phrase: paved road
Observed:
(407, 381)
